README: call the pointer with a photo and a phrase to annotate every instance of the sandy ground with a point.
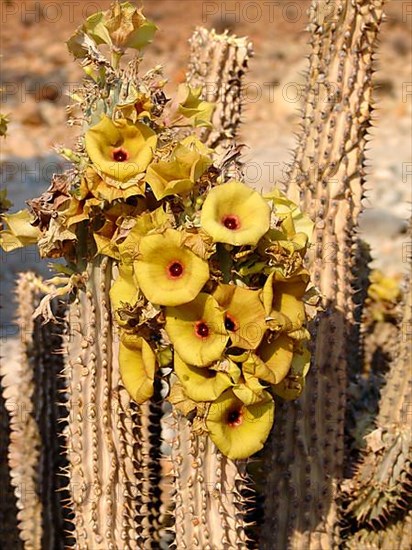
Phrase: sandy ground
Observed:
(38, 72)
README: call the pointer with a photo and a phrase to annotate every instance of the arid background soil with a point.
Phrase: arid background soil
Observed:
(38, 72)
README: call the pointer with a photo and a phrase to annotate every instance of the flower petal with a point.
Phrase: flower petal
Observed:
(124, 290)
(277, 354)
(294, 221)
(137, 364)
(179, 173)
(198, 111)
(250, 391)
(127, 26)
(245, 315)
(108, 189)
(180, 400)
(20, 231)
(292, 385)
(282, 299)
(201, 384)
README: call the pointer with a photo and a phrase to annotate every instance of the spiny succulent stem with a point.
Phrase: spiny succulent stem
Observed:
(218, 62)
(18, 388)
(305, 457)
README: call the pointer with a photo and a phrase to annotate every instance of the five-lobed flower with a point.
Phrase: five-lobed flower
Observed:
(120, 150)
(235, 214)
(179, 173)
(244, 315)
(239, 430)
(167, 272)
(197, 330)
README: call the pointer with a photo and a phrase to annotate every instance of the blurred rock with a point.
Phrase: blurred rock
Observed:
(381, 223)
(18, 140)
(31, 13)
(52, 114)
(48, 87)
(57, 54)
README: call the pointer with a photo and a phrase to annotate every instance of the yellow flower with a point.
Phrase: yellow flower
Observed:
(249, 389)
(294, 222)
(167, 272)
(202, 384)
(20, 231)
(144, 224)
(292, 385)
(137, 364)
(235, 214)
(197, 330)
(120, 150)
(179, 173)
(108, 189)
(198, 111)
(277, 354)
(283, 250)
(282, 299)
(136, 105)
(383, 288)
(239, 430)
(126, 26)
(245, 315)
(124, 290)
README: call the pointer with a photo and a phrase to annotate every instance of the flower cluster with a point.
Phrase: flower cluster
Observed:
(211, 286)
(212, 283)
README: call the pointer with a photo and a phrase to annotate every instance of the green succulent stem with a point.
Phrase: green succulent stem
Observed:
(116, 56)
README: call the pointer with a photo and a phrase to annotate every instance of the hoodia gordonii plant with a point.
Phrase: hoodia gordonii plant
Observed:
(178, 298)
(177, 273)
(211, 278)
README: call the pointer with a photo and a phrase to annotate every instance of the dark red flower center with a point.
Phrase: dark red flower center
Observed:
(235, 418)
(201, 329)
(120, 155)
(231, 222)
(230, 323)
(139, 106)
(175, 270)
